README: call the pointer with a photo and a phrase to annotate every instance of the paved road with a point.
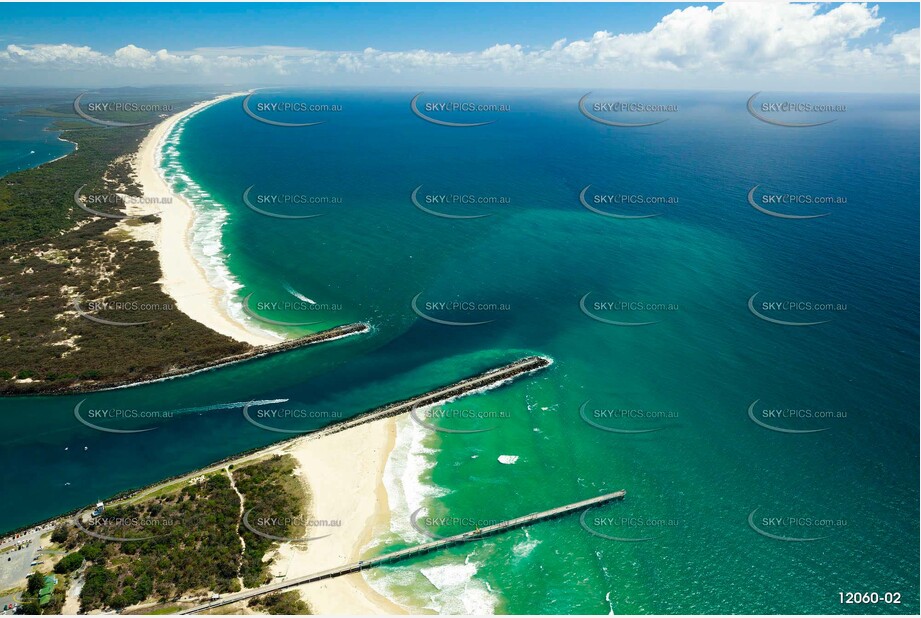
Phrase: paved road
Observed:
(15, 564)
(6, 600)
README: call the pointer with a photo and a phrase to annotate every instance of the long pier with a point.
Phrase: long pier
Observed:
(411, 552)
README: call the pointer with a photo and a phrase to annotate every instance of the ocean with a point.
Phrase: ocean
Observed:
(25, 141)
(769, 467)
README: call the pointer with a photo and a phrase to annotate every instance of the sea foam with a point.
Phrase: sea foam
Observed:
(209, 217)
(457, 589)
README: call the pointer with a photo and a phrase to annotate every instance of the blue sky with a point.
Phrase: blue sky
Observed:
(442, 27)
(439, 27)
(845, 46)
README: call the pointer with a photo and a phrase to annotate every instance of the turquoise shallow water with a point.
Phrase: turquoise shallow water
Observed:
(692, 483)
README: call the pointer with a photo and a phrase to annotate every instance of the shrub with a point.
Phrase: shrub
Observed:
(69, 563)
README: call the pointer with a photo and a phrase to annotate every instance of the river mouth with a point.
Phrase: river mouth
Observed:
(656, 396)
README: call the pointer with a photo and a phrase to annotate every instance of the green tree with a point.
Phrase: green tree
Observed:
(97, 588)
(35, 583)
(59, 535)
(69, 563)
(144, 586)
(92, 551)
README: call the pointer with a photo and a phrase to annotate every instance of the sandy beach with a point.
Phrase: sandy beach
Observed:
(343, 473)
(183, 277)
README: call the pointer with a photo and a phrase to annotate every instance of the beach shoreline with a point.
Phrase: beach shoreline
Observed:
(344, 467)
(183, 277)
(325, 466)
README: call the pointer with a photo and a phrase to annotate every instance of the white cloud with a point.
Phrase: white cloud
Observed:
(53, 56)
(721, 45)
(902, 49)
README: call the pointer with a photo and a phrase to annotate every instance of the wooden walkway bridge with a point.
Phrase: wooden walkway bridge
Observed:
(411, 552)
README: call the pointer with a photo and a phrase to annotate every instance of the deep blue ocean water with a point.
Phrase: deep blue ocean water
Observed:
(694, 482)
(25, 141)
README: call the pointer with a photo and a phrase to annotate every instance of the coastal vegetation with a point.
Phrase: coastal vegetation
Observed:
(53, 253)
(275, 500)
(69, 563)
(42, 595)
(184, 543)
(281, 604)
